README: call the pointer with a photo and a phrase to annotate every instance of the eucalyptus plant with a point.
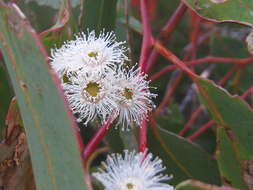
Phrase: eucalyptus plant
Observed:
(126, 95)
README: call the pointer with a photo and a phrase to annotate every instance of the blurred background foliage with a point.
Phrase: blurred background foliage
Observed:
(213, 157)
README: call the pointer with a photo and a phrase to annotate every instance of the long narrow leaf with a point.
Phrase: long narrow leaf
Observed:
(49, 127)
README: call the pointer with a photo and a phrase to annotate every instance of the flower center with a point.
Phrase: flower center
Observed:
(93, 54)
(130, 186)
(92, 88)
(128, 93)
(65, 78)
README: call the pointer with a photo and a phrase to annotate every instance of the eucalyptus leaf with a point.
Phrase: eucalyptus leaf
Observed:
(224, 10)
(49, 126)
(183, 159)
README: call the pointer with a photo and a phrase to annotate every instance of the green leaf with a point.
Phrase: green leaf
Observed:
(197, 185)
(235, 120)
(183, 159)
(50, 128)
(229, 161)
(36, 14)
(229, 112)
(134, 24)
(99, 14)
(172, 120)
(224, 10)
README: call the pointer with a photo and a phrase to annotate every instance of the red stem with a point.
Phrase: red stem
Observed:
(202, 38)
(237, 61)
(43, 33)
(169, 94)
(195, 25)
(174, 59)
(205, 127)
(146, 45)
(221, 60)
(162, 72)
(193, 118)
(228, 75)
(147, 36)
(1, 55)
(143, 136)
(247, 93)
(165, 33)
(97, 138)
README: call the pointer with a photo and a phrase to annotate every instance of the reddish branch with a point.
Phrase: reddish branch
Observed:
(240, 61)
(146, 45)
(174, 59)
(247, 93)
(228, 75)
(97, 138)
(165, 33)
(193, 118)
(143, 136)
(205, 127)
(162, 72)
(169, 94)
(147, 36)
(159, 48)
(202, 38)
(237, 61)
(195, 25)
(1, 55)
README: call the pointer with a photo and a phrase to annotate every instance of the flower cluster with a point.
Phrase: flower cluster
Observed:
(96, 83)
(133, 171)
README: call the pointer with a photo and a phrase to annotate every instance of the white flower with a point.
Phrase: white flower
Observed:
(89, 52)
(90, 94)
(135, 98)
(133, 171)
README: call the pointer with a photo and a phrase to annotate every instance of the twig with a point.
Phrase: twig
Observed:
(97, 138)
(193, 118)
(205, 127)
(171, 89)
(165, 33)
(236, 61)
(147, 36)
(174, 59)
(143, 136)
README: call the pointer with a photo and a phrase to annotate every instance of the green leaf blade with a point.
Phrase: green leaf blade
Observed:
(231, 11)
(56, 160)
(184, 160)
(97, 15)
(229, 112)
(229, 161)
(234, 119)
